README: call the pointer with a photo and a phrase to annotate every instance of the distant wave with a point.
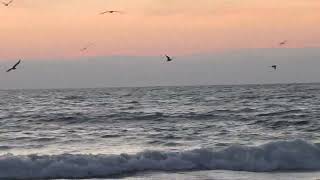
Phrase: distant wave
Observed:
(274, 156)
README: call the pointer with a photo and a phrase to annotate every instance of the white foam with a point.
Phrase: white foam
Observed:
(281, 155)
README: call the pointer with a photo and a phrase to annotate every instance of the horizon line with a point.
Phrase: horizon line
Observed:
(163, 86)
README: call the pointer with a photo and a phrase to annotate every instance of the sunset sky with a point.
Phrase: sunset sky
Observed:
(47, 29)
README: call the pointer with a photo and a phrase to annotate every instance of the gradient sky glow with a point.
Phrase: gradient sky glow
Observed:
(47, 29)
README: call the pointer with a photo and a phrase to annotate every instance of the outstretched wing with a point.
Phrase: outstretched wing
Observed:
(86, 47)
(83, 49)
(104, 12)
(7, 3)
(283, 42)
(16, 64)
(9, 70)
(111, 11)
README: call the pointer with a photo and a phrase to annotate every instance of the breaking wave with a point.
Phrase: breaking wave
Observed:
(273, 156)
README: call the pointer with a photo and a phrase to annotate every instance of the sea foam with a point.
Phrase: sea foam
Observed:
(273, 156)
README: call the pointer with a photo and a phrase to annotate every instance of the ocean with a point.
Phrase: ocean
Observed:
(256, 132)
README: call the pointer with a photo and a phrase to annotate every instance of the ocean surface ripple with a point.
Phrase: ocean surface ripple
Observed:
(244, 127)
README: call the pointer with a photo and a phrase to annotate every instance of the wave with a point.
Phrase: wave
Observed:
(274, 156)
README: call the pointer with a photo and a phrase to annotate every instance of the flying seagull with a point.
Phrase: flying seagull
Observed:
(274, 67)
(168, 58)
(283, 43)
(86, 47)
(110, 12)
(7, 3)
(14, 67)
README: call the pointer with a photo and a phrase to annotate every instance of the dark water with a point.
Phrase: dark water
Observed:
(103, 132)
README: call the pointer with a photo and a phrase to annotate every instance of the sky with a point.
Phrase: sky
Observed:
(199, 32)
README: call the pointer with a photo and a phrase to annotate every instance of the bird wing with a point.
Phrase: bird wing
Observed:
(16, 64)
(104, 12)
(121, 12)
(9, 70)
(86, 47)
(283, 42)
(112, 11)
(10, 2)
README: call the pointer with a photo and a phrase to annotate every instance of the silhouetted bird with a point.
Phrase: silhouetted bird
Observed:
(283, 43)
(110, 12)
(7, 3)
(168, 58)
(14, 67)
(86, 47)
(274, 67)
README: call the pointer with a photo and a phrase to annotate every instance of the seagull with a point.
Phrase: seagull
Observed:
(86, 47)
(7, 3)
(168, 58)
(110, 12)
(283, 43)
(274, 67)
(14, 67)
